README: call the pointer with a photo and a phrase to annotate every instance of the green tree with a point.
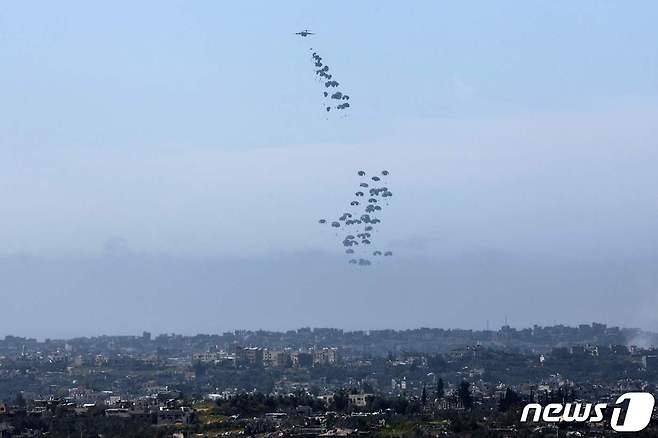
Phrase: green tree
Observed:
(439, 388)
(509, 399)
(340, 401)
(464, 394)
(19, 401)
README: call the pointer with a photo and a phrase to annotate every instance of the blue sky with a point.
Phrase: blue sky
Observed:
(130, 74)
(183, 135)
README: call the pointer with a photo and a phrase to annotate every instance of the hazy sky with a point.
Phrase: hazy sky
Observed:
(163, 164)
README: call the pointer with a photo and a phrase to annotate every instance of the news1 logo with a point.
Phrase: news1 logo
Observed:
(638, 412)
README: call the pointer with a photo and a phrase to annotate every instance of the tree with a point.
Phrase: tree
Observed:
(199, 369)
(19, 401)
(508, 400)
(464, 394)
(340, 400)
(439, 388)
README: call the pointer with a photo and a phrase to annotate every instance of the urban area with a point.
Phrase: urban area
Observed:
(320, 382)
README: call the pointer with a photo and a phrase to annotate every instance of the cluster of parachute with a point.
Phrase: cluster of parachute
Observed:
(360, 223)
(334, 98)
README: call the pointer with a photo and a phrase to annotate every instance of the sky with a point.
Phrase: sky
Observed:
(163, 164)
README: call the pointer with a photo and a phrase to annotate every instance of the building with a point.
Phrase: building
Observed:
(301, 359)
(118, 412)
(650, 363)
(206, 357)
(252, 355)
(182, 415)
(276, 358)
(359, 400)
(325, 356)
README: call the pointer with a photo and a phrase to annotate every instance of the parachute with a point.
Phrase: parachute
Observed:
(322, 71)
(361, 222)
